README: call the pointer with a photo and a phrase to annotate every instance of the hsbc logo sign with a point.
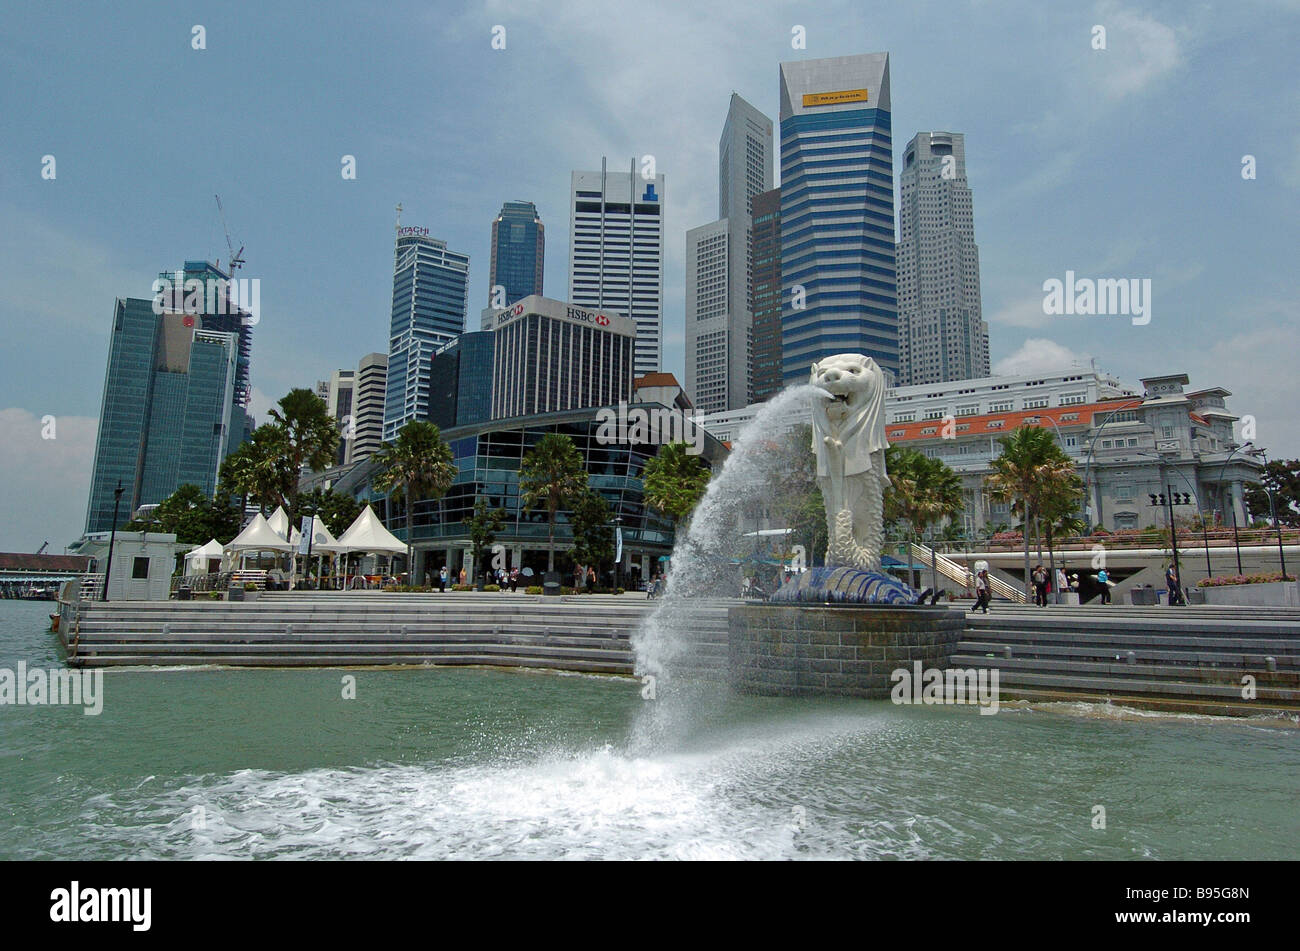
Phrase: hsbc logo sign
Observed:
(587, 316)
(577, 315)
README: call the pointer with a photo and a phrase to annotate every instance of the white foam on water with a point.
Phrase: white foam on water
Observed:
(732, 801)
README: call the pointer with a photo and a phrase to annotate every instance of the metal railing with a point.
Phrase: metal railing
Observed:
(961, 574)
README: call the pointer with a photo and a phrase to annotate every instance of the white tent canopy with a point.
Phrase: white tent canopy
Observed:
(321, 539)
(258, 535)
(279, 522)
(367, 534)
(196, 561)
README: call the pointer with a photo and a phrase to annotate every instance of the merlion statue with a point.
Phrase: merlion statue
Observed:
(849, 440)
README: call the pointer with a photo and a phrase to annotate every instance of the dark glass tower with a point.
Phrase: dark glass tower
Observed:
(518, 252)
(167, 410)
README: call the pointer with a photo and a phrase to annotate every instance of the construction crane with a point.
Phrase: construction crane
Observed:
(236, 257)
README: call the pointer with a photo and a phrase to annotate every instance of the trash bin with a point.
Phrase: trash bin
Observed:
(183, 592)
(1142, 596)
(551, 583)
(235, 593)
(1196, 596)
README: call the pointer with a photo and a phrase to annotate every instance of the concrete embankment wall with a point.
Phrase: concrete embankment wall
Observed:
(580, 633)
(1192, 659)
(1222, 661)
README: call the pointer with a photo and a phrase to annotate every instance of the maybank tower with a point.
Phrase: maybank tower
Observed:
(839, 284)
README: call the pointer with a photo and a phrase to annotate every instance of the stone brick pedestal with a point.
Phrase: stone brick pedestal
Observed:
(835, 650)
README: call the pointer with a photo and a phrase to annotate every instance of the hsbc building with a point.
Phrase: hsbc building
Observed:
(550, 356)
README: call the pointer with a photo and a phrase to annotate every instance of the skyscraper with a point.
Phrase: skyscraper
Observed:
(766, 276)
(616, 252)
(518, 253)
(430, 296)
(719, 266)
(339, 393)
(941, 330)
(368, 406)
(837, 213)
(166, 415)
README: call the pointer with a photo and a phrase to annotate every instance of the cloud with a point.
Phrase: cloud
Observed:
(1039, 355)
(1027, 312)
(47, 480)
(1139, 50)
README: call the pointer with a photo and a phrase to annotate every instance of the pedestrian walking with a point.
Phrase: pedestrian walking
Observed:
(982, 590)
(442, 579)
(1104, 578)
(1174, 587)
(1039, 578)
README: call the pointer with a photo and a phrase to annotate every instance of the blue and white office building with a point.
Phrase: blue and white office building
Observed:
(839, 282)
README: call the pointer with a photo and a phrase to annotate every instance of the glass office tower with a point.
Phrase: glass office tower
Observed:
(838, 273)
(167, 410)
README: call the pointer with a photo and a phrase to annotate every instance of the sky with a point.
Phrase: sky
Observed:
(1122, 162)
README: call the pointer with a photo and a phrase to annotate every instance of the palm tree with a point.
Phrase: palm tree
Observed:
(675, 480)
(1033, 473)
(551, 474)
(923, 491)
(311, 438)
(417, 466)
(260, 468)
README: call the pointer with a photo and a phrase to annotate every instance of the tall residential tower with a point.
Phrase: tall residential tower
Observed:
(942, 334)
(837, 213)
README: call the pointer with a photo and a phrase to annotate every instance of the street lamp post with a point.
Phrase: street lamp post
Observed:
(1272, 504)
(112, 538)
(1205, 537)
(1236, 539)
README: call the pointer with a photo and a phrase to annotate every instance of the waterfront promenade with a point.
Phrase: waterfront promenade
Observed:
(1189, 659)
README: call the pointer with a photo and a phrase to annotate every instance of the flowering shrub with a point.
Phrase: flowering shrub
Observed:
(1008, 537)
(1224, 580)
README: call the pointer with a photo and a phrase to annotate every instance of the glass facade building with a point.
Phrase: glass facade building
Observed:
(168, 412)
(518, 252)
(461, 381)
(430, 297)
(488, 457)
(838, 272)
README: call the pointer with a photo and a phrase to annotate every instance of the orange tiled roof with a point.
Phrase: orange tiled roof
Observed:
(979, 425)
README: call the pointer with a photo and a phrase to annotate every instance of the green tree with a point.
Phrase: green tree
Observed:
(1283, 478)
(675, 481)
(336, 509)
(192, 516)
(923, 491)
(483, 526)
(551, 475)
(592, 533)
(260, 469)
(1035, 475)
(311, 439)
(417, 466)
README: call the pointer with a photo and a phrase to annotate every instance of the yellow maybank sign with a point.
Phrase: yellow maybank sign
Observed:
(834, 98)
